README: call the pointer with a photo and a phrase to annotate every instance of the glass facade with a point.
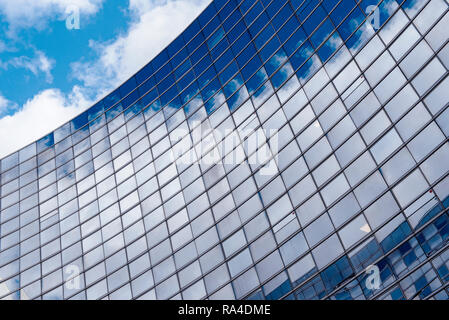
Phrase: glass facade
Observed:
(274, 150)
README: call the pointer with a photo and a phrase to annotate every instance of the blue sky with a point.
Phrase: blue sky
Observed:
(49, 73)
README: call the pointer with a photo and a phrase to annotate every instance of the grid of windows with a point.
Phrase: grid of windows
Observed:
(108, 207)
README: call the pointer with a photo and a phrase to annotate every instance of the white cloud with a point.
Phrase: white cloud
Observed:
(6, 105)
(155, 23)
(38, 116)
(36, 13)
(39, 63)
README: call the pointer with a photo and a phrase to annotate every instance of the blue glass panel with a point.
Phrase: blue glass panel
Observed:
(45, 142)
(341, 11)
(259, 24)
(263, 37)
(79, 121)
(191, 31)
(227, 9)
(207, 76)
(186, 79)
(232, 20)
(288, 29)
(215, 38)
(219, 48)
(95, 111)
(169, 95)
(179, 58)
(130, 99)
(207, 15)
(144, 73)
(253, 13)
(112, 99)
(127, 87)
(166, 83)
(160, 60)
(283, 15)
(399, 234)
(113, 112)
(238, 29)
(246, 54)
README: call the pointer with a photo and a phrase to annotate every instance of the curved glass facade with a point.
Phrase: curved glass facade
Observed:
(274, 150)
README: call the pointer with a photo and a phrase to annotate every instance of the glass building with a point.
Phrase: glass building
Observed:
(274, 150)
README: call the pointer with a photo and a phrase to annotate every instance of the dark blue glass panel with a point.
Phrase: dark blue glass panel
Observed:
(329, 47)
(95, 111)
(283, 15)
(229, 72)
(322, 33)
(295, 41)
(238, 98)
(166, 83)
(233, 85)
(227, 9)
(300, 56)
(215, 38)
(189, 92)
(79, 121)
(144, 73)
(246, 55)
(112, 99)
(182, 69)
(191, 31)
(274, 8)
(207, 15)
(195, 43)
(179, 58)
(256, 80)
(130, 99)
(218, 50)
(259, 24)
(349, 25)
(336, 273)
(232, 20)
(127, 87)
(288, 29)
(163, 72)
(169, 95)
(175, 46)
(160, 60)
(307, 10)
(207, 76)
(270, 49)
(215, 102)
(263, 37)
(277, 293)
(341, 11)
(253, 65)
(238, 29)
(199, 54)
(245, 5)
(186, 79)
(253, 13)
(399, 234)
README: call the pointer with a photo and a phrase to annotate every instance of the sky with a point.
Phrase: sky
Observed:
(58, 57)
